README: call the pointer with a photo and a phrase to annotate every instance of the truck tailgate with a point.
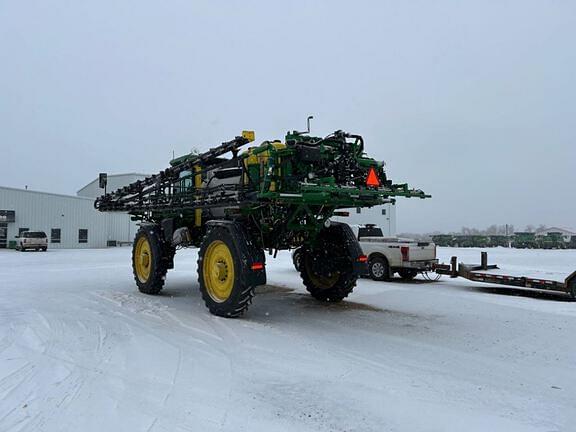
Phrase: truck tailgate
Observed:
(421, 253)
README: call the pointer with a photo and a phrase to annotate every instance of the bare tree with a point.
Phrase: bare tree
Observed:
(493, 229)
(541, 227)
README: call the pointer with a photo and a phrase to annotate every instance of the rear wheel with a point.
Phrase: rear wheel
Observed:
(407, 274)
(297, 259)
(379, 269)
(327, 270)
(151, 258)
(224, 285)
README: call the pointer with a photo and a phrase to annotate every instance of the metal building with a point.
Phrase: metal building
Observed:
(68, 221)
(384, 216)
(115, 181)
(565, 233)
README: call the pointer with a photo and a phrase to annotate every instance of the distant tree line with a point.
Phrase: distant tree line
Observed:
(491, 230)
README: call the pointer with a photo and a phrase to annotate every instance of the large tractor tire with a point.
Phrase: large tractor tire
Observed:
(330, 270)
(229, 269)
(151, 259)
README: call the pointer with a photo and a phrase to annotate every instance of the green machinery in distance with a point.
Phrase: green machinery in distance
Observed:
(470, 240)
(520, 240)
(525, 240)
(529, 240)
(270, 197)
(552, 240)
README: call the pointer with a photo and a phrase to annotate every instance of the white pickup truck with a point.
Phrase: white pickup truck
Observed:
(36, 240)
(389, 255)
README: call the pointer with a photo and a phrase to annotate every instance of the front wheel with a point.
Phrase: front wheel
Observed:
(224, 273)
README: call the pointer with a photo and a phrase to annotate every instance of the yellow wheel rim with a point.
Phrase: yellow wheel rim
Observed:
(322, 282)
(143, 259)
(218, 271)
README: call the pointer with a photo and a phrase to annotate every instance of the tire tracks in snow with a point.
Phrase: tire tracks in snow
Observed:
(129, 308)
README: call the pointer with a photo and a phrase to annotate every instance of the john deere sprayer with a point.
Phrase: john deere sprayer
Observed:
(235, 205)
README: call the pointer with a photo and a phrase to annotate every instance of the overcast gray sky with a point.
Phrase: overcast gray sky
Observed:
(473, 102)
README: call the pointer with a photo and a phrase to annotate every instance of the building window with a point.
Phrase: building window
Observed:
(55, 235)
(383, 212)
(358, 210)
(22, 230)
(82, 236)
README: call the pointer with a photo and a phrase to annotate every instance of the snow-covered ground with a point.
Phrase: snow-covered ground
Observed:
(82, 350)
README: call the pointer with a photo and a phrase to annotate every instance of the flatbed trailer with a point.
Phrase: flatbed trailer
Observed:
(479, 273)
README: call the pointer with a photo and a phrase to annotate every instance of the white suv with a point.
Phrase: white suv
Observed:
(36, 240)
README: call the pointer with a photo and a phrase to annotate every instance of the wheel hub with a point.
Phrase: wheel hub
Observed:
(221, 271)
(143, 259)
(378, 269)
(321, 271)
(218, 270)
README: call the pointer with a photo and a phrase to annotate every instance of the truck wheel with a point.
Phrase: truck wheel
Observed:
(407, 274)
(150, 259)
(379, 269)
(328, 272)
(225, 288)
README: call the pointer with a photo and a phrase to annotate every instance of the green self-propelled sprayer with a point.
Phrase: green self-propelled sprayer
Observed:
(275, 196)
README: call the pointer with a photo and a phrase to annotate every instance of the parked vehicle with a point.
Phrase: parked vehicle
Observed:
(443, 240)
(552, 240)
(389, 255)
(524, 240)
(473, 240)
(36, 240)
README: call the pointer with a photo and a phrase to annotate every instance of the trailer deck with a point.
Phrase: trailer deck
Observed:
(484, 272)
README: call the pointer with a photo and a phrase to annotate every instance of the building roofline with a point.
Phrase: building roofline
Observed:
(114, 175)
(46, 193)
(557, 229)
